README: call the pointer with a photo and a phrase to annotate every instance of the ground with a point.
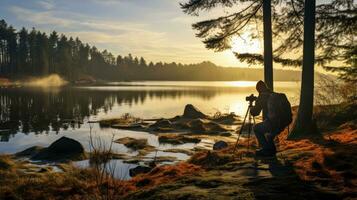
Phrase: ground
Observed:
(323, 166)
(302, 170)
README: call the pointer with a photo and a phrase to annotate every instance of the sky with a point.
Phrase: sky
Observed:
(158, 30)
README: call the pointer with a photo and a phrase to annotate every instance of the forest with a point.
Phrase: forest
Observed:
(33, 53)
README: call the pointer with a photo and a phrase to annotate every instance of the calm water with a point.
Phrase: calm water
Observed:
(39, 116)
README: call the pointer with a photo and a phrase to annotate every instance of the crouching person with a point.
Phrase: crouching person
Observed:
(276, 114)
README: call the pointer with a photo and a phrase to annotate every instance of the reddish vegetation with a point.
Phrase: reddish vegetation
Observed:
(163, 174)
(329, 160)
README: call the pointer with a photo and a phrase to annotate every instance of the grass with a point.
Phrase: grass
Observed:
(125, 119)
(132, 143)
(17, 184)
(6, 162)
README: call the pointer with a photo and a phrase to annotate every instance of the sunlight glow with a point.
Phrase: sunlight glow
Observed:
(241, 83)
(245, 44)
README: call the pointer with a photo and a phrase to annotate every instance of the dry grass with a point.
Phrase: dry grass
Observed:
(125, 119)
(72, 184)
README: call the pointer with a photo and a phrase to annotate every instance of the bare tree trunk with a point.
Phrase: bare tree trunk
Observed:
(268, 45)
(304, 124)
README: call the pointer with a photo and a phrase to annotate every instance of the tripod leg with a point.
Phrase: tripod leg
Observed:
(241, 130)
(253, 124)
(249, 129)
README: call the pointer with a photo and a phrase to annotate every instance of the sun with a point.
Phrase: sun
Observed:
(245, 44)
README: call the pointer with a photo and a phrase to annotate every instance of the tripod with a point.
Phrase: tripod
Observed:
(250, 117)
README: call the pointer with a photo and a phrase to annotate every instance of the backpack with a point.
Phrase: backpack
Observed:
(279, 110)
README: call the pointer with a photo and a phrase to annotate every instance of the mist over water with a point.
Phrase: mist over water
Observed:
(53, 80)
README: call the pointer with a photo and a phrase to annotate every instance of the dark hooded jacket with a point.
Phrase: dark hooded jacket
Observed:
(261, 104)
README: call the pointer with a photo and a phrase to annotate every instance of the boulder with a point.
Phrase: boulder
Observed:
(192, 112)
(139, 170)
(30, 152)
(62, 149)
(162, 123)
(220, 145)
(66, 145)
(197, 126)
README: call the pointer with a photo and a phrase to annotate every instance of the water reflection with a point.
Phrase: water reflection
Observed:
(36, 110)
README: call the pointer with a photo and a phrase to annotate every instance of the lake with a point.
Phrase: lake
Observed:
(41, 115)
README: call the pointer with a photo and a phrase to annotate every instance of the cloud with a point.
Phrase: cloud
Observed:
(40, 18)
(47, 4)
(160, 38)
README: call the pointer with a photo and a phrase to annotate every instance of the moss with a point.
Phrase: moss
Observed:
(210, 159)
(133, 143)
(177, 139)
(125, 120)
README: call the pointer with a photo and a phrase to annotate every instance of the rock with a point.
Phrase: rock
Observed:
(164, 123)
(139, 170)
(30, 152)
(228, 119)
(133, 143)
(226, 134)
(197, 126)
(66, 145)
(215, 127)
(177, 139)
(62, 149)
(192, 112)
(220, 145)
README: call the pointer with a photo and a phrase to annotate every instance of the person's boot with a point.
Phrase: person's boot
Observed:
(265, 153)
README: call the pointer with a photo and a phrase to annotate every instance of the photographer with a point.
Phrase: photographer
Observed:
(269, 125)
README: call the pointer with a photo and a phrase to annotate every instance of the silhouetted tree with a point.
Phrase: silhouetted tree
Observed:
(53, 54)
(23, 51)
(217, 33)
(304, 124)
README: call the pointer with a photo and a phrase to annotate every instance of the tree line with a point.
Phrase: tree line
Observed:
(33, 53)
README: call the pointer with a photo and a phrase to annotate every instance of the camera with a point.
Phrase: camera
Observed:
(251, 98)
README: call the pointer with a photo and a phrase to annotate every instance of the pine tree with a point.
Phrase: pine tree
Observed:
(218, 33)
(33, 52)
(23, 51)
(142, 62)
(304, 124)
(53, 53)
